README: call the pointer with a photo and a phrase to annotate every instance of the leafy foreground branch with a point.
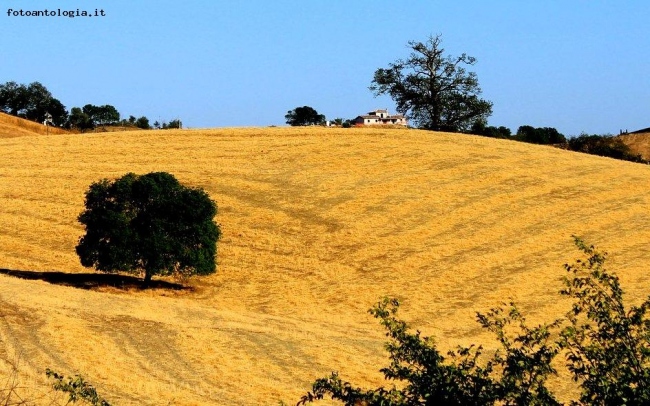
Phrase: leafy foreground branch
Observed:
(607, 350)
(77, 389)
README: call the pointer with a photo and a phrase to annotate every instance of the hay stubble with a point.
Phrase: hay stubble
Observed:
(318, 224)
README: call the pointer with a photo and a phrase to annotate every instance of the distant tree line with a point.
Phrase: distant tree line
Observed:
(605, 145)
(34, 102)
(168, 126)
(602, 145)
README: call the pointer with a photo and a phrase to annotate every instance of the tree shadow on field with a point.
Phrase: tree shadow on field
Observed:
(92, 281)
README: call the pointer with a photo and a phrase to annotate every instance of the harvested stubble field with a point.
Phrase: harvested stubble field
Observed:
(639, 143)
(318, 225)
(11, 126)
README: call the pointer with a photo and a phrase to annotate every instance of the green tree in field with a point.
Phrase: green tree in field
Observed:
(142, 122)
(108, 115)
(435, 91)
(606, 347)
(148, 224)
(304, 115)
(80, 120)
(102, 115)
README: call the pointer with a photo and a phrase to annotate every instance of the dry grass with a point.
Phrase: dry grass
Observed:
(318, 225)
(639, 143)
(11, 127)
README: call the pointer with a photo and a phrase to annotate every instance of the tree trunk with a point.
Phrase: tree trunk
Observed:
(147, 280)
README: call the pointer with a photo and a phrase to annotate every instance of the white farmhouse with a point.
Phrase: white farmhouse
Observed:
(380, 117)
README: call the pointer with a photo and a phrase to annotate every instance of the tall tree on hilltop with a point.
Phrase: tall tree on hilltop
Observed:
(13, 98)
(433, 90)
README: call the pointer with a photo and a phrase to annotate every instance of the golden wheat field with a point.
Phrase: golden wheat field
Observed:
(318, 224)
(11, 126)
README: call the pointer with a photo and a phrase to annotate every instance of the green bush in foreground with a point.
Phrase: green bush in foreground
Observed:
(606, 348)
(76, 388)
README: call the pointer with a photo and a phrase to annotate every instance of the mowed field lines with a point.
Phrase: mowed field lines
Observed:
(318, 224)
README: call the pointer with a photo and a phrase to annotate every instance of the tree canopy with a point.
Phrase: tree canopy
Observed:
(31, 102)
(142, 122)
(148, 223)
(433, 90)
(541, 135)
(304, 115)
(80, 120)
(101, 115)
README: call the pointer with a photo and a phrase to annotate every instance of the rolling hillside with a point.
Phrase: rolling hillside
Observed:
(11, 126)
(318, 225)
(639, 143)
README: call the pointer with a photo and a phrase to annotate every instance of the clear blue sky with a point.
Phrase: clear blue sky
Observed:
(576, 65)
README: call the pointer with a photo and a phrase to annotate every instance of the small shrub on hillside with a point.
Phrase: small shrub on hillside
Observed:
(606, 347)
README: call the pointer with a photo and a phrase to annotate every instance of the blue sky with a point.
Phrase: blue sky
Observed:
(576, 65)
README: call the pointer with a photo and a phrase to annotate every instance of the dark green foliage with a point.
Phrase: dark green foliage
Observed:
(80, 120)
(108, 115)
(604, 145)
(606, 347)
(13, 98)
(541, 135)
(343, 123)
(148, 223)
(31, 102)
(102, 115)
(433, 90)
(515, 375)
(77, 389)
(524, 360)
(172, 124)
(142, 122)
(304, 115)
(480, 128)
